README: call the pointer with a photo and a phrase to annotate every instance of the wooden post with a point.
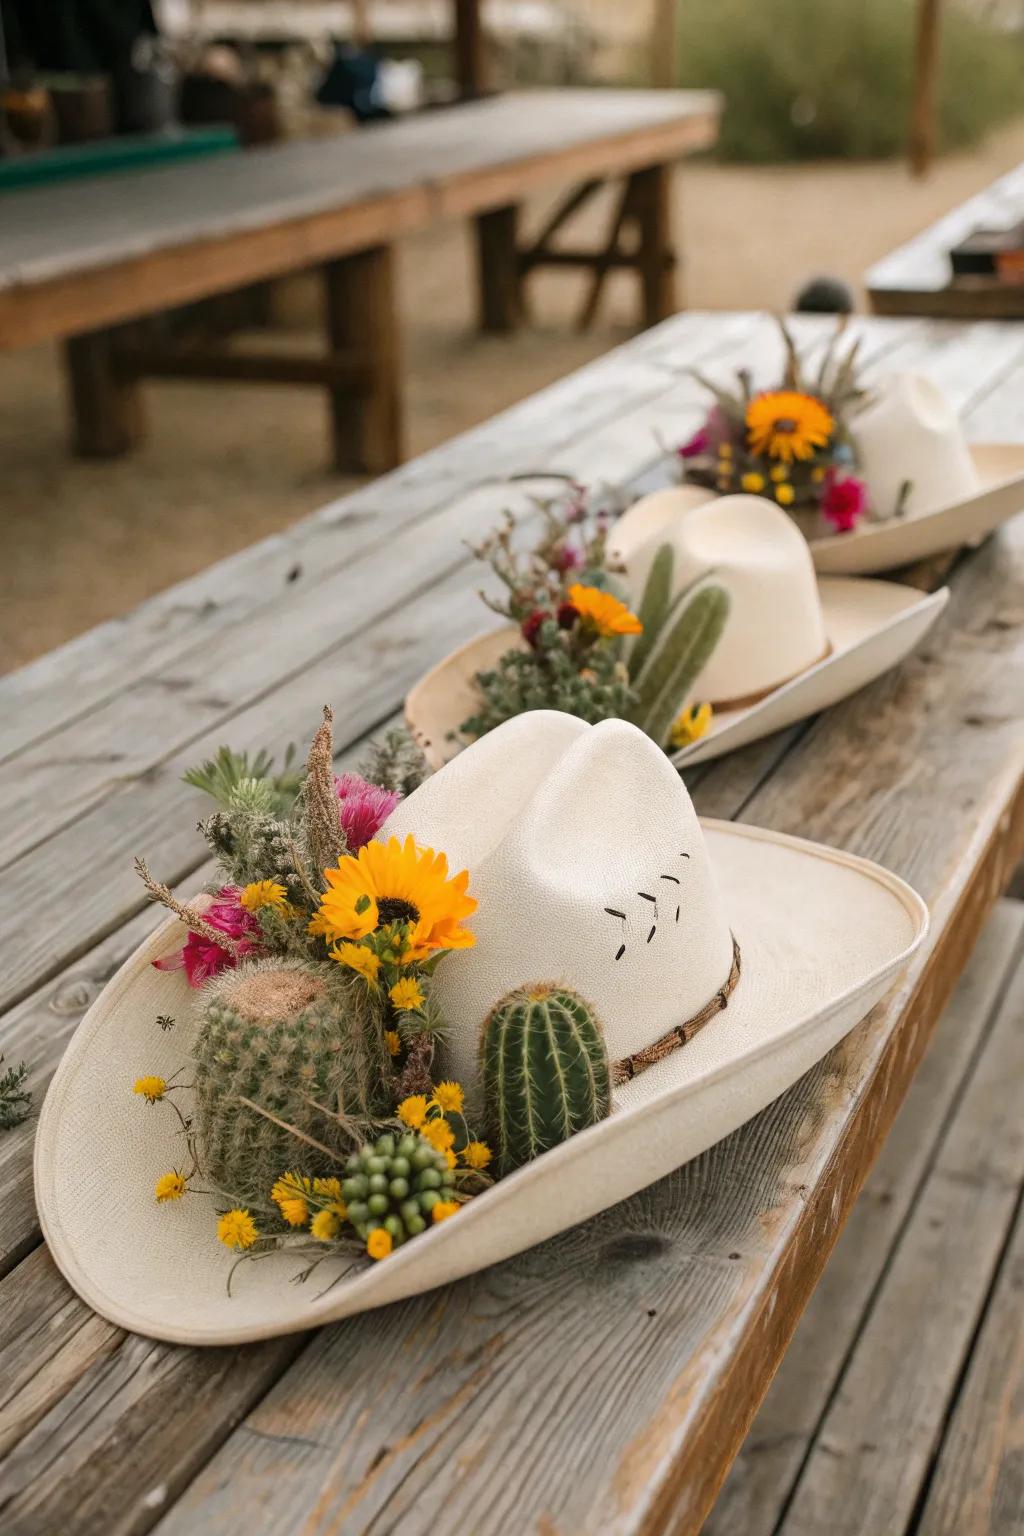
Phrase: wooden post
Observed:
(665, 43)
(923, 122)
(106, 403)
(498, 273)
(651, 205)
(470, 52)
(366, 423)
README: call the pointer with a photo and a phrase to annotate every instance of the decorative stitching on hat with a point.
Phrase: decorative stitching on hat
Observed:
(631, 1066)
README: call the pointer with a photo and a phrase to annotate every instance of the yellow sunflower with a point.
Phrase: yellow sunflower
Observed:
(787, 425)
(603, 612)
(396, 882)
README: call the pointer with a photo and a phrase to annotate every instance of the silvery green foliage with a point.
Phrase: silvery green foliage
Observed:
(15, 1098)
(222, 775)
(394, 762)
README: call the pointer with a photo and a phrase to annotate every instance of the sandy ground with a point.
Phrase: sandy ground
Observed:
(223, 466)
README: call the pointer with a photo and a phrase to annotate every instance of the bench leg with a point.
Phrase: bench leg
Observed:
(651, 205)
(498, 271)
(366, 423)
(106, 403)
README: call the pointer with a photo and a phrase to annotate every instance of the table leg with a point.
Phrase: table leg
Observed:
(106, 403)
(366, 422)
(651, 205)
(498, 269)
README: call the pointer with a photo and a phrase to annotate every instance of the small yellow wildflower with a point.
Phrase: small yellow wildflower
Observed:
(778, 473)
(151, 1087)
(379, 1244)
(359, 959)
(603, 612)
(818, 475)
(289, 1194)
(450, 1158)
(784, 495)
(325, 1226)
(477, 1154)
(753, 482)
(236, 1229)
(393, 1041)
(449, 1097)
(413, 1110)
(263, 893)
(690, 725)
(725, 450)
(443, 1209)
(320, 926)
(329, 1187)
(439, 1134)
(169, 1186)
(407, 994)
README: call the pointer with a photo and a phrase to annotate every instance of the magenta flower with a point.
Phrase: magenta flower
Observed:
(362, 808)
(567, 559)
(199, 956)
(844, 500)
(707, 438)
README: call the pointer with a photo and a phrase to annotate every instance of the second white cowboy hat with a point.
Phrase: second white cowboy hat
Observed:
(793, 643)
(731, 958)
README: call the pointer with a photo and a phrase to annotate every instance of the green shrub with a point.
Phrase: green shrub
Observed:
(812, 79)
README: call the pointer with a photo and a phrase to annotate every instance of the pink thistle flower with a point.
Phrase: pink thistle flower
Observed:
(362, 808)
(844, 500)
(199, 957)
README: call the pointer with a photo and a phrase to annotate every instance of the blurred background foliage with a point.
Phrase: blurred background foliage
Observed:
(822, 79)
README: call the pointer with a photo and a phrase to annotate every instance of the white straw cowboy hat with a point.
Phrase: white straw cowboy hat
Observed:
(793, 644)
(911, 447)
(729, 957)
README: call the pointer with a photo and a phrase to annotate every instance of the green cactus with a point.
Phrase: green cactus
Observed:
(287, 1035)
(678, 661)
(545, 1072)
(394, 1183)
(654, 608)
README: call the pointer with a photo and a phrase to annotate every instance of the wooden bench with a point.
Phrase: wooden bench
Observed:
(917, 279)
(600, 1385)
(81, 262)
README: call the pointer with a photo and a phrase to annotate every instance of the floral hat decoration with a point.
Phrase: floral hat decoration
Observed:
(875, 477)
(372, 1066)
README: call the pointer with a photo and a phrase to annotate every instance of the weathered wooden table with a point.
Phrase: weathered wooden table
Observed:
(602, 1383)
(917, 278)
(80, 263)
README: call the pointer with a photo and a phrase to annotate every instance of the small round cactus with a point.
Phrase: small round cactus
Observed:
(545, 1072)
(395, 1182)
(287, 1035)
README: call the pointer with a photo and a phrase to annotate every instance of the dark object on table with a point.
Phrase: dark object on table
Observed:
(83, 105)
(991, 253)
(824, 296)
(352, 81)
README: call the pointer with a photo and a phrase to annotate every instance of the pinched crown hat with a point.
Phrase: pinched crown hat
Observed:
(721, 962)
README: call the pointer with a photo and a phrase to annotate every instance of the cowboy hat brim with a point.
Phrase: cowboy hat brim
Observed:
(822, 935)
(871, 626)
(885, 546)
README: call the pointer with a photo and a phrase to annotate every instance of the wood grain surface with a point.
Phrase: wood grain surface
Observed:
(604, 1382)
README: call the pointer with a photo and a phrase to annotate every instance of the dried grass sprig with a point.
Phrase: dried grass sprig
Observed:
(193, 920)
(324, 837)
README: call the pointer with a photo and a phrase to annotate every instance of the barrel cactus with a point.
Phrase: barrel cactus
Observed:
(545, 1072)
(287, 1035)
(395, 1183)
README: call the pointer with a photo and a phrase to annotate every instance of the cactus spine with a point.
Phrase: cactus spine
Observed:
(654, 608)
(663, 685)
(545, 1072)
(283, 1033)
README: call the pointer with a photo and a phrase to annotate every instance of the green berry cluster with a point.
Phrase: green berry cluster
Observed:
(394, 1183)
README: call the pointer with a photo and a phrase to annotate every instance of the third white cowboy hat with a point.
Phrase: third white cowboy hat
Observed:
(793, 643)
(907, 434)
(591, 869)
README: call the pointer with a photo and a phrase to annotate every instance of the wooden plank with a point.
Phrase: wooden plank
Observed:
(73, 680)
(916, 278)
(79, 258)
(759, 1486)
(874, 1448)
(977, 1485)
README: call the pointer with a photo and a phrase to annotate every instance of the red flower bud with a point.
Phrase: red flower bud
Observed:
(567, 615)
(530, 626)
